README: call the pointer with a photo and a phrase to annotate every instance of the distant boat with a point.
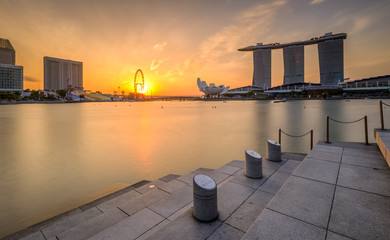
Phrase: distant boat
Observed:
(278, 101)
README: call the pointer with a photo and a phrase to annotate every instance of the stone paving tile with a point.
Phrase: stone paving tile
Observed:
(289, 166)
(230, 170)
(334, 236)
(216, 175)
(131, 227)
(247, 213)
(174, 202)
(150, 186)
(275, 182)
(171, 186)
(237, 163)
(230, 197)
(319, 170)
(169, 177)
(112, 203)
(362, 153)
(293, 156)
(360, 215)
(93, 226)
(186, 227)
(327, 156)
(304, 199)
(152, 231)
(225, 181)
(275, 226)
(226, 232)
(272, 165)
(109, 197)
(34, 236)
(326, 148)
(365, 179)
(181, 211)
(364, 161)
(187, 178)
(140, 202)
(254, 183)
(71, 221)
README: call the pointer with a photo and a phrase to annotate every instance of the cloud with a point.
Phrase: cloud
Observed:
(248, 25)
(156, 63)
(160, 46)
(360, 24)
(316, 2)
(30, 79)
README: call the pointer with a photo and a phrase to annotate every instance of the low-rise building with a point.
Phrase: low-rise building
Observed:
(11, 77)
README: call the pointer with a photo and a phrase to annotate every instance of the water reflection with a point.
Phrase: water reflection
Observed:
(56, 157)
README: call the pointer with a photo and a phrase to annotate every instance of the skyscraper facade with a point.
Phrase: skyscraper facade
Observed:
(262, 68)
(331, 58)
(294, 64)
(62, 74)
(7, 52)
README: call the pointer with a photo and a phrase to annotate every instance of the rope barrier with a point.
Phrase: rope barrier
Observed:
(346, 122)
(385, 104)
(297, 135)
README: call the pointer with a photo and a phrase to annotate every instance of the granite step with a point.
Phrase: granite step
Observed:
(69, 222)
(93, 226)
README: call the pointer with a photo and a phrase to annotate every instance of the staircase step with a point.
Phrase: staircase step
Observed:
(70, 222)
(93, 226)
(142, 201)
(112, 203)
(131, 227)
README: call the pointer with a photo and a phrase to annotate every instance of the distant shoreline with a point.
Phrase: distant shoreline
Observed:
(186, 100)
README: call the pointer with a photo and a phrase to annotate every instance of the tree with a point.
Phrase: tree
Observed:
(62, 92)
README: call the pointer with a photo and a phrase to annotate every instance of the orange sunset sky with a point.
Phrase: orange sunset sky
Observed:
(176, 41)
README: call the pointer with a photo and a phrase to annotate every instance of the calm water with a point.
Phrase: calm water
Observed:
(55, 157)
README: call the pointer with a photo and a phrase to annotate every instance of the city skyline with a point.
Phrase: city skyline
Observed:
(174, 42)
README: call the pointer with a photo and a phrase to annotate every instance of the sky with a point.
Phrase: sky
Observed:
(174, 42)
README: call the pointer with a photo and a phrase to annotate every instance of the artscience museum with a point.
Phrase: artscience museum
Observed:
(211, 90)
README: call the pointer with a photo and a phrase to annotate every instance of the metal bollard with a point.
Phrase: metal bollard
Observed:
(274, 152)
(253, 164)
(205, 198)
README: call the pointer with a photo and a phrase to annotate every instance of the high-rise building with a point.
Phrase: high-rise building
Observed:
(7, 52)
(330, 54)
(262, 68)
(11, 77)
(331, 58)
(294, 64)
(62, 74)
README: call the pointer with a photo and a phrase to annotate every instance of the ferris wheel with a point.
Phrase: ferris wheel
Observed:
(139, 85)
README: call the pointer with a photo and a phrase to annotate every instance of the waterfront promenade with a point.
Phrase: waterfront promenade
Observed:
(338, 191)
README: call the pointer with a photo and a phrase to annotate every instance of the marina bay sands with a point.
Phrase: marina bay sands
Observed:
(330, 54)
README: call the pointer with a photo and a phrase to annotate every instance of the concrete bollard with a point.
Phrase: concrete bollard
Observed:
(205, 198)
(253, 164)
(274, 152)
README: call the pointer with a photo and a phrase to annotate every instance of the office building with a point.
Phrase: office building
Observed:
(62, 74)
(11, 77)
(7, 52)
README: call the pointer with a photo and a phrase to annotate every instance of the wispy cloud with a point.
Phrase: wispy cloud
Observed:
(30, 79)
(248, 25)
(316, 2)
(361, 24)
(160, 46)
(156, 63)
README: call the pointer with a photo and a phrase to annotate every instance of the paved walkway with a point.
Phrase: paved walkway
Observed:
(338, 191)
